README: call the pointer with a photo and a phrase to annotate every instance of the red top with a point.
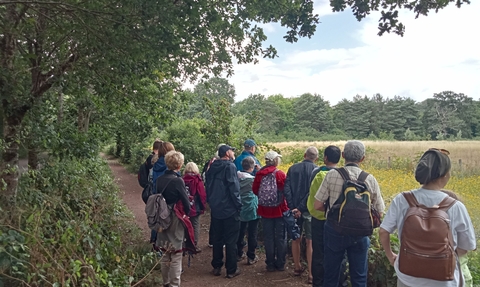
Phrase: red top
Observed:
(264, 211)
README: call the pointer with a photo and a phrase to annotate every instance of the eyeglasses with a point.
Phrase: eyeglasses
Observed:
(444, 151)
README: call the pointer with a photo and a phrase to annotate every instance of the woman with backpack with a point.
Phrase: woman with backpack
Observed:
(172, 239)
(434, 229)
(197, 196)
(268, 186)
(159, 168)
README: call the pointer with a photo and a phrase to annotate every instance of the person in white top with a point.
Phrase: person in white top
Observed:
(433, 172)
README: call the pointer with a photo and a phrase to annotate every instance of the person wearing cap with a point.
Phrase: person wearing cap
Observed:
(297, 187)
(335, 243)
(433, 173)
(274, 230)
(249, 148)
(223, 196)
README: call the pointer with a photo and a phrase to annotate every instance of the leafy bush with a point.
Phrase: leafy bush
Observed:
(71, 230)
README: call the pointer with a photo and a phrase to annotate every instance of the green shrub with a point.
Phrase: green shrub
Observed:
(71, 230)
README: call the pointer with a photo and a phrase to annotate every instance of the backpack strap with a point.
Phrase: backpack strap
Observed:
(446, 203)
(344, 173)
(362, 177)
(411, 199)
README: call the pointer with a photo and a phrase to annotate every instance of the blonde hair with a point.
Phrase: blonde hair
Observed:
(191, 167)
(174, 160)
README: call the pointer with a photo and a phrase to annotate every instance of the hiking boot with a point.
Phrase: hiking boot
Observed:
(237, 272)
(252, 261)
(240, 258)
(217, 271)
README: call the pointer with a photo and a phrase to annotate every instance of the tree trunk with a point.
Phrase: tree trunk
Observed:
(60, 107)
(32, 157)
(9, 165)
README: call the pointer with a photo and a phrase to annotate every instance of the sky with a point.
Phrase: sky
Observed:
(438, 52)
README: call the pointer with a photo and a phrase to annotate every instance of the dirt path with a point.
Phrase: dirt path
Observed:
(198, 274)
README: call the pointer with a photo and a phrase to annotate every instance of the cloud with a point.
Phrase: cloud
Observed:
(438, 52)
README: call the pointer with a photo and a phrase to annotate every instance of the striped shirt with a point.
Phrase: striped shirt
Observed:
(332, 187)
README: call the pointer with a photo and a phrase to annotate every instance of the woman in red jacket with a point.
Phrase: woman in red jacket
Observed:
(274, 231)
(197, 196)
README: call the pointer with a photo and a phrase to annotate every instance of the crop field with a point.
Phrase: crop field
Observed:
(393, 163)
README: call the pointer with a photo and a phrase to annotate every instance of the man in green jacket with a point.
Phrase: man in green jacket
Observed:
(331, 156)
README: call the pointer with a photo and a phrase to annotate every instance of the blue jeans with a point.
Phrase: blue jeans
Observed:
(275, 241)
(357, 251)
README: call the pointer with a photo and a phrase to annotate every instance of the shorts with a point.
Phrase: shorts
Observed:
(305, 224)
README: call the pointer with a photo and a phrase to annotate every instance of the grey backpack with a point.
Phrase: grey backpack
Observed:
(159, 213)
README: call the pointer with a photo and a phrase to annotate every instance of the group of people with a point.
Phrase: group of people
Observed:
(235, 189)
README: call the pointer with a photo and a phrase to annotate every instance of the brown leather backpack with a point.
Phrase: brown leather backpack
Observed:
(426, 249)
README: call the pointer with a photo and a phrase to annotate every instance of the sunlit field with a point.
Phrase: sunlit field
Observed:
(396, 175)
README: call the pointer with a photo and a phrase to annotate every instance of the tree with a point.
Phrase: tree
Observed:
(388, 21)
(119, 42)
(312, 111)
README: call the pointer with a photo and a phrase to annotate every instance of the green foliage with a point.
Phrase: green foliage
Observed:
(187, 137)
(72, 230)
(380, 272)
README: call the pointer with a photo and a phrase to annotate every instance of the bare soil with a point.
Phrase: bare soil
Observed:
(198, 274)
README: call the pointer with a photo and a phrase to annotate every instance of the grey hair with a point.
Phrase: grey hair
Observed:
(311, 153)
(275, 162)
(354, 151)
(248, 163)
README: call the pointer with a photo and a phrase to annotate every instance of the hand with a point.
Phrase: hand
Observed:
(392, 258)
(257, 167)
(296, 213)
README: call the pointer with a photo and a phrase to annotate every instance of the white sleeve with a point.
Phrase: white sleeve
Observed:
(391, 219)
(462, 228)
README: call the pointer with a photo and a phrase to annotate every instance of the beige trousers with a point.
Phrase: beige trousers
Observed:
(171, 265)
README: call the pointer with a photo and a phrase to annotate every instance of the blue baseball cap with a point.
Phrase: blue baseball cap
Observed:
(249, 143)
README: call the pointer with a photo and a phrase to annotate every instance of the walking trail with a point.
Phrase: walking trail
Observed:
(198, 274)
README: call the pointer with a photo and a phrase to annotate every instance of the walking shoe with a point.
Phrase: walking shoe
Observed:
(210, 245)
(252, 261)
(280, 268)
(270, 269)
(217, 271)
(237, 272)
(240, 258)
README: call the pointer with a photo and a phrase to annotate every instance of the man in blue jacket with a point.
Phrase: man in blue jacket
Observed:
(297, 189)
(249, 148)
(223, 196)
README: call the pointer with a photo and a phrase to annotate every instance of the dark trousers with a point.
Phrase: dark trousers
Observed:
(251, 238)
(275, 241)
(210, 233)
(317, 255)
(226, 232)
(318, 246)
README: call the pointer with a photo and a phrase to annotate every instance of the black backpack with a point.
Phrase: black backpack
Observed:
(352, 213)
(143, 175)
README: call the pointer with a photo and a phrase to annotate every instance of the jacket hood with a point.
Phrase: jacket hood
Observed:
(160, 165)
(242, 174)
(266, 170)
